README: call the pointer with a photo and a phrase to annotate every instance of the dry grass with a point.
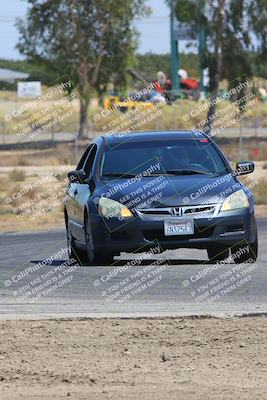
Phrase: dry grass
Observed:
(16, 175)
(263, 152)
(172, 117)
(22, 116)
(38, 207)
(260, 191)
(8, 95)
(59, 155)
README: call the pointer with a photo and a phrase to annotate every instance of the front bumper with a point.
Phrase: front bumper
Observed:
(134, 234)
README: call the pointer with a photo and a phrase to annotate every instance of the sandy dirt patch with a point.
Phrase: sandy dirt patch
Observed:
(180, 358)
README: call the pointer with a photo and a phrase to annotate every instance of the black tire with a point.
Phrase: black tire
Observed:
(93, 256)
(218, 253)
(73, 252)
(249, 256)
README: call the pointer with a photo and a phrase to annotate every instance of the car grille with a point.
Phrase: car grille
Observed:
(194, 211)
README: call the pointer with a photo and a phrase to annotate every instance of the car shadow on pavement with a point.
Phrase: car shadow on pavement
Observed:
(121, 262)
(168, 261)
(54, 263)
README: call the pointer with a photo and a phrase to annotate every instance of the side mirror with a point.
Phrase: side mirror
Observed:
(244, 167)
(78, 176)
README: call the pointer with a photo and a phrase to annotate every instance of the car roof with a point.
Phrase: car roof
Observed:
(152, 135)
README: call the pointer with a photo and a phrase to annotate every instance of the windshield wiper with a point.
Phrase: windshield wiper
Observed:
(118, 175)
(121, 175)
(186, 172)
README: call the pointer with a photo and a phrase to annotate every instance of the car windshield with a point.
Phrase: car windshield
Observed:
(170, 157)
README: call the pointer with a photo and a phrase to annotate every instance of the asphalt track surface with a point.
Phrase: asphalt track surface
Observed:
(182, 284)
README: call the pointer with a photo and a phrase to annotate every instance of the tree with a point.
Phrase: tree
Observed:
(258, 23)
(231, 27)
(87, 39)
(150, 63)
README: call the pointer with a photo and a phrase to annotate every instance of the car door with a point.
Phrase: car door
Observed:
(74, 192)
(81, 193)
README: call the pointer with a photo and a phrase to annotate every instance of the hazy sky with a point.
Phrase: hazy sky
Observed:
(154, 30)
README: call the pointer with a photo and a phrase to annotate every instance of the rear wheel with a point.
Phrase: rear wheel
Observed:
(94, 256)
(245, 252)
(218, 253)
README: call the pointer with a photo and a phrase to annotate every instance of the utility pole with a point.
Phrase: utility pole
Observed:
(201, 49)
(174, 53)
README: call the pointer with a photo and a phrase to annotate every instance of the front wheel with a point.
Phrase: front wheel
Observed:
(94, 256)
(245, 252)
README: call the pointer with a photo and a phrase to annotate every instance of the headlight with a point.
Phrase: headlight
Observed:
(113, 209)
(236, 200)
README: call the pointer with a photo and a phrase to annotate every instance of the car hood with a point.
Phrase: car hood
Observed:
(169, 191)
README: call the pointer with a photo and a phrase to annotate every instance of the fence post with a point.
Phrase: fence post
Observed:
(3, 132)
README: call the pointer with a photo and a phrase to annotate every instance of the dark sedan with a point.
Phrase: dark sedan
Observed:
(171, 189)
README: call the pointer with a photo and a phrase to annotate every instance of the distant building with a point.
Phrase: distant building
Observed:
(7, 75)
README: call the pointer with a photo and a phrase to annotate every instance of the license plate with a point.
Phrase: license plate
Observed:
(183, 227)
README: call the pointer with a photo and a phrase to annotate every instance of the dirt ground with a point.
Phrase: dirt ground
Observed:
(180, 358)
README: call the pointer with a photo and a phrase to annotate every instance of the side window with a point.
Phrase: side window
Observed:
(90, 160)
(84, 156)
